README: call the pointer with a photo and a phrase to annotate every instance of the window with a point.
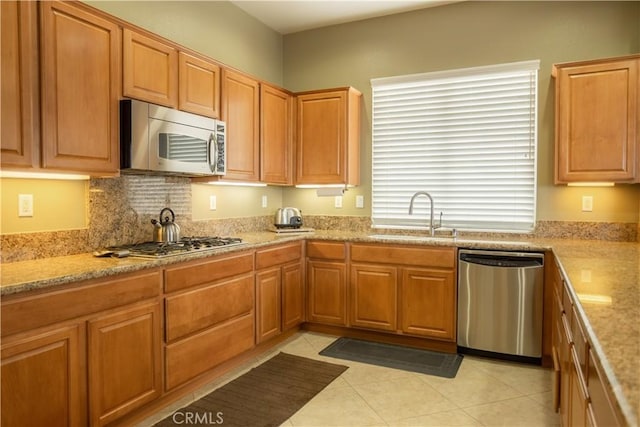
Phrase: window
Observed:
(468, 137)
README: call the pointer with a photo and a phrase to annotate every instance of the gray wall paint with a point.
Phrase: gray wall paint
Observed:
(470, 34)
(217, 29)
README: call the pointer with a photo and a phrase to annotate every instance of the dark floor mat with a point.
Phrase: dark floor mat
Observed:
(265, 396)
(395, 356)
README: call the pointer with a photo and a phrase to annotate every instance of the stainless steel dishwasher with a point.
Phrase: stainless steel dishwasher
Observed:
(500, 304)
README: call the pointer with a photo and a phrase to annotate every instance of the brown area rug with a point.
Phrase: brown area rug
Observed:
(265, 396)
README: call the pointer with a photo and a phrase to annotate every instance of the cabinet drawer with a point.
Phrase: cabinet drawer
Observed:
(326, 250)
(414, 256)
(203, 272)
(278, 255)
(197, 354)
(29, 312)
(199, 309)
(579, 341)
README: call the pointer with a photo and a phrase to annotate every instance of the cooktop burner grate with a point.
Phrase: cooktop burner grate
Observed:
(160, 250)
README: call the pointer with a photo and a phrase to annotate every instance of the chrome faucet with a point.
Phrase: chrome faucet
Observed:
(432, 230)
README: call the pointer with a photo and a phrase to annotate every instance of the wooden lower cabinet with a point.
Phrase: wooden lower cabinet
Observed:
(44, 379)
(405, 289)
(279, 290)
(124, 360)
(580, 392)
(428, 303)
(373, 297)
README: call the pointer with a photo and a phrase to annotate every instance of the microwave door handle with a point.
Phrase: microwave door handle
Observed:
(212, 153)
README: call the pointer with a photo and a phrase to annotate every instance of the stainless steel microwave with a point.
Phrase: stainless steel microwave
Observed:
(164, 140)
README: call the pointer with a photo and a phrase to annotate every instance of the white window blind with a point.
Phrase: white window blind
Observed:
(467, 137)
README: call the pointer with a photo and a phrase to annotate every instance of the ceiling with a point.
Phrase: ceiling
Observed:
(291, 16)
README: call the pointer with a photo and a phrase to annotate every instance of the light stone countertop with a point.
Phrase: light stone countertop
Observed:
(605, 269)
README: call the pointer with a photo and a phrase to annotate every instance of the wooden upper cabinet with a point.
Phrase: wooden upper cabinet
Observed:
(597, 118)
(241, 112)
(276, 149)
(199, 86)
(328, 137)
(20, 127)
(80, 60)
(150, 69)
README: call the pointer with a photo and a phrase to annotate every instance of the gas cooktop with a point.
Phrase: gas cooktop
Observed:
(162, 250)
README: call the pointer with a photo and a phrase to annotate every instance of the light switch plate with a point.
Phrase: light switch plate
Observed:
(587, 203)
(360, 201)
(213, 203)
(338, 201)
(264, 201)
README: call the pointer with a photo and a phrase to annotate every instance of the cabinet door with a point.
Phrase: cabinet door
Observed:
(199, 86)
(428, 303)
(43, 383)
(241, 112)
(19, 84)
(328, 137)
(327, 289)
(150, 70)
(124, 361)
(597, 121)
(268, 304)
(276, 159)
(373, 297)
(292, 296)
(80, 89)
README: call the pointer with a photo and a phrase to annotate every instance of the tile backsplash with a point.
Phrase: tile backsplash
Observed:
(121, 210)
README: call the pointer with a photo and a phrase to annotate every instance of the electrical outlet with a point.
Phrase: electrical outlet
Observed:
(25, 205)
(587, 203)
(338, 201)
(213, 203)
(359, 201)
(264, 201)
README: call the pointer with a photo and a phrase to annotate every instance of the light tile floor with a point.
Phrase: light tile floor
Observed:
(483, 393)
